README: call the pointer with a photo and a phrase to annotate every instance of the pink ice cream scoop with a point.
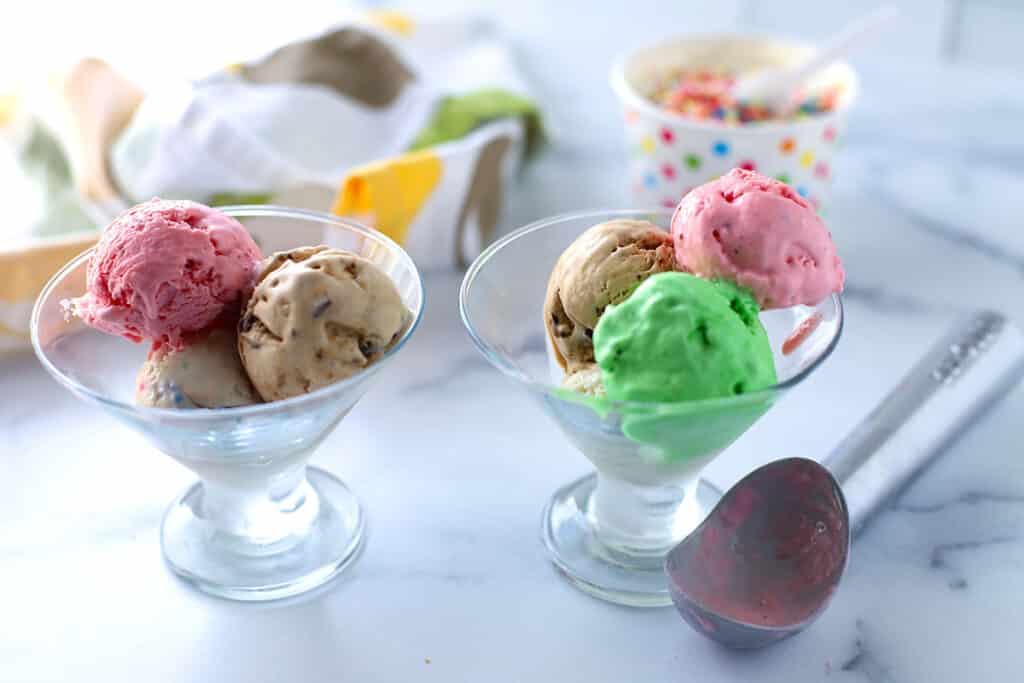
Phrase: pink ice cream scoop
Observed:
(760, 234)
(166, 268)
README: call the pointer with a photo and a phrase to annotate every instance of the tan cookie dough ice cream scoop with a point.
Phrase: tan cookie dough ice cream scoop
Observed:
(603, 266)
(318, 315)
(205, 373)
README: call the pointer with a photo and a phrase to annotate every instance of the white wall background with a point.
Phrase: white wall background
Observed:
(982, 32)
(192, 36)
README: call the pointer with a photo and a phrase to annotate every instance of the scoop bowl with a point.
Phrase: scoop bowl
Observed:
(767, 560)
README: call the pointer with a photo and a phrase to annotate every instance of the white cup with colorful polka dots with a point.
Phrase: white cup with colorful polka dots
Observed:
(669, 154)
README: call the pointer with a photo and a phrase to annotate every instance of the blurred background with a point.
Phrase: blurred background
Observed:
(932, 165)
(926, 205)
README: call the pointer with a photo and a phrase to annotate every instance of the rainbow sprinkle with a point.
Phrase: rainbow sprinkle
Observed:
(704, 95)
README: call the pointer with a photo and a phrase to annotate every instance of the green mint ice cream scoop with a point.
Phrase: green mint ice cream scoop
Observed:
(680, 338)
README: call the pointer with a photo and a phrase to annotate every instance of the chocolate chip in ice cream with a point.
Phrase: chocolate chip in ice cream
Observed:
(320, 307)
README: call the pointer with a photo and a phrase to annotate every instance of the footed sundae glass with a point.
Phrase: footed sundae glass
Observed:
(260, 524)
(609, 532)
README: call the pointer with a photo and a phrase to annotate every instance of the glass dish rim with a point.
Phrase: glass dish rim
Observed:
(259, 409)
(496, 359)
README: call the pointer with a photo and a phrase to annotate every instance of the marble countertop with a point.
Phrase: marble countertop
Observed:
(454, 584)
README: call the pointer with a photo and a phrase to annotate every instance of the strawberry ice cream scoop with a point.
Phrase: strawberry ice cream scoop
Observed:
(166, 268)
(760, 234)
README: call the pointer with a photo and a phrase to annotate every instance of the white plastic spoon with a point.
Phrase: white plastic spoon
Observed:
(774, 87)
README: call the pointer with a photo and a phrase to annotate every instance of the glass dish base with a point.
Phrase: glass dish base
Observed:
(601, 571)
(241, 568)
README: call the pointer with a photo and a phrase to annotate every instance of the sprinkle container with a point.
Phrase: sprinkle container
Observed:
(670, 153)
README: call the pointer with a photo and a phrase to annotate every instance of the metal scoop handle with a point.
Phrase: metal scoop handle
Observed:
(974, 364)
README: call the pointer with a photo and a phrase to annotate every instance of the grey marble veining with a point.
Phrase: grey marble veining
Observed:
(454, 571)
(454, 584)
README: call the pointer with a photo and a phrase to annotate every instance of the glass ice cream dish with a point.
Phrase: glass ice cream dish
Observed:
(609, 531)
(259, 524)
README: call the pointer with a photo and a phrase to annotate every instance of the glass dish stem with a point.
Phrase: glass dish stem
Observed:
(283, 509)
(642, 520)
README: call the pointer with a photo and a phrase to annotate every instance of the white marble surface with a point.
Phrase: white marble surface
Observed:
(454, 465)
